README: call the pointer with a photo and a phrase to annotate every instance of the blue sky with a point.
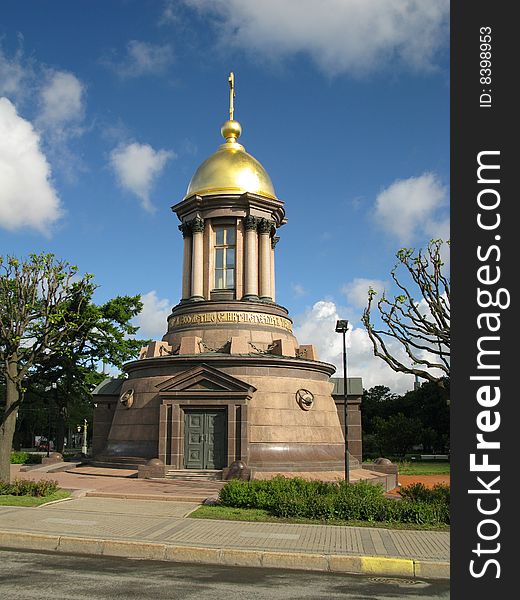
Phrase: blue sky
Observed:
(107, 109)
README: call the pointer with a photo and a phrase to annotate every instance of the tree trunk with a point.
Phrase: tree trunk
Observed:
(8, 425)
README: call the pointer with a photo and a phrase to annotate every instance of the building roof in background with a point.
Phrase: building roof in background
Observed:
(354, 386)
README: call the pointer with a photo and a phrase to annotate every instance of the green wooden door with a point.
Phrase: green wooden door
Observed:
(205, 439)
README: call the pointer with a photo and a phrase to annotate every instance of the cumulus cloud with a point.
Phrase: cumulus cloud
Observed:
(137, 166)
(356, 291)
(152, 319)
(341, 36)
(317, 326)
(141, 58)
(412, 207)
(27, 195)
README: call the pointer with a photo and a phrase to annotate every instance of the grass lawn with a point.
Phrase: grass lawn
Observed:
(424, 468)
(9, 500)
(227, 513)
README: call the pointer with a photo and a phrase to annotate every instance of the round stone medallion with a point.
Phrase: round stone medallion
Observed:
(127, 399)
(305, 399)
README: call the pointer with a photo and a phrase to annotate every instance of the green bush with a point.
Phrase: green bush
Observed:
(26, 487)
(25, 458)
(440, 493)
(362, 501)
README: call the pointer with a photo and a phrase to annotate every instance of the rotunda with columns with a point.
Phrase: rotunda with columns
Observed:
(228, 384)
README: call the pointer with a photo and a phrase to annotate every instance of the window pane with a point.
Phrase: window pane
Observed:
(219, 234)
(230, 258)
(230, 278)
(219, 258)
(230, 235)
(219, 279)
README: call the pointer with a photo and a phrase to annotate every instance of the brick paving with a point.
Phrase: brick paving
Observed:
(109, 518)
(155, 521)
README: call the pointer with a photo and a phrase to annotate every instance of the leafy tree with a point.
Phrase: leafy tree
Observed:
(50, 328)
(377, 402)
(426, 405)
(104, 335)
(420, 324)
(397, 434)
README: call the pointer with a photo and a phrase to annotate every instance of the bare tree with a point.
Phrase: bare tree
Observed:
(421, 324)
(41, 301)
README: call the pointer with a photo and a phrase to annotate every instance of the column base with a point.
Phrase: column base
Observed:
(196, 299)
(265, 299)
(250, 298)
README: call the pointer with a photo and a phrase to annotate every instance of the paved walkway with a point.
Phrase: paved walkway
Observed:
(123, 526)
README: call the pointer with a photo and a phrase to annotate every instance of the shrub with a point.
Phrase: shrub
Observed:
(25, 487)
(362, 501)
(440, 493)
(25, 458)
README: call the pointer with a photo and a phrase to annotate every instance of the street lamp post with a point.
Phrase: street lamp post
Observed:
(84, 445)
(342, 327)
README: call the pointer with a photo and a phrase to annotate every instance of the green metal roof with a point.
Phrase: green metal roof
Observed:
(108, 387)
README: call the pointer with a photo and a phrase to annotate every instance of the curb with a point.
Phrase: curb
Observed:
(333, 563)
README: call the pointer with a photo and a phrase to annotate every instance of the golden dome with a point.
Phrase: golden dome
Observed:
(231, 169)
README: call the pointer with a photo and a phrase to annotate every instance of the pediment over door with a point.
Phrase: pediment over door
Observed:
(204, 379)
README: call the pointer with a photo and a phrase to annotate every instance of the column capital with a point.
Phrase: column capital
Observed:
(185, 229)
(274, 240)
(250, 223)
(265, 225)
(197, 225)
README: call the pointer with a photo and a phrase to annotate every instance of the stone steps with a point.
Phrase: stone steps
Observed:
(194, 475)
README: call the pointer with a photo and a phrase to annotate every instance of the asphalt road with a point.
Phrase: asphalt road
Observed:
(37, 575)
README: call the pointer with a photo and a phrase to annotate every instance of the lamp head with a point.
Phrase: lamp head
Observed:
(341, 326)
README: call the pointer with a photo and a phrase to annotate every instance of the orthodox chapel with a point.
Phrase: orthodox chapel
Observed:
(228, 389)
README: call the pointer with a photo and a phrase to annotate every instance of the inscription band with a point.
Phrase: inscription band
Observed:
(230, 317)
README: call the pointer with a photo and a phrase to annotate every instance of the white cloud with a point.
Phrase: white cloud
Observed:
(60, 119)
(14, 75)
(354, 36)
(27, 196)
(298, 290)
(412, 207)
(137, 166)
(170, 14)
(317, 326)
(356, 291)
(61, 100)
(152, 319)
(142, 58)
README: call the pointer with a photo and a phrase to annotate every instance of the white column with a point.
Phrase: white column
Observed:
(251, 259)
(197, 262)
(186, 263)
(264, 230)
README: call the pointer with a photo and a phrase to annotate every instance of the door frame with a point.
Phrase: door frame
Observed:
(171, 428)
(203, 386)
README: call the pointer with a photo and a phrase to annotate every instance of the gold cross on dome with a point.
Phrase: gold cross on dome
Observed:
(231, 80)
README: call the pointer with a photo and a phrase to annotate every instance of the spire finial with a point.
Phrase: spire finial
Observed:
(231, 129)
(231, 80)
